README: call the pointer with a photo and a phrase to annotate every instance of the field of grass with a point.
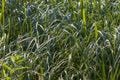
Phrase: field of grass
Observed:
(59, 39)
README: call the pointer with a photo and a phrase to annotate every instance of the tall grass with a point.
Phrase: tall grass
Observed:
(59, 39)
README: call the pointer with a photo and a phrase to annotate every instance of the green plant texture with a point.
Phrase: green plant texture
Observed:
(59, 39)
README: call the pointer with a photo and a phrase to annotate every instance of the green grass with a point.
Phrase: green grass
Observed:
(59, 39)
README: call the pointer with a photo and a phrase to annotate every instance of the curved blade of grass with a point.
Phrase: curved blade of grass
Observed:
(7, 67)
(21, 68)
(96, 31)
(103, 66)
(3, 17)
(83, 15)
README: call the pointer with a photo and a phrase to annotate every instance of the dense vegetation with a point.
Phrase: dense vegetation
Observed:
(59, 39)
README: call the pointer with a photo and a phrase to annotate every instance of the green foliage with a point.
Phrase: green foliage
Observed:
(59, 39)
